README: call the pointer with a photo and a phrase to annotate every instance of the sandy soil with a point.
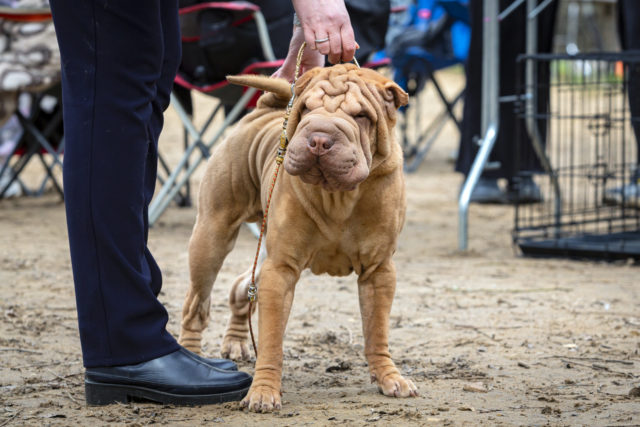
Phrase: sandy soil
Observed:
(489, 337)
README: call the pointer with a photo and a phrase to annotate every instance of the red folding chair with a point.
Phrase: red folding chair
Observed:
(208, 31)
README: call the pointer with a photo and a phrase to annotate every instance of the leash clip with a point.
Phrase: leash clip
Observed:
(280, 155)
(251, 293)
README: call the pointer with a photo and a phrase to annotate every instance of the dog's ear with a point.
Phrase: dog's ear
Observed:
(396, 93)
(279, 87)
(394, 98)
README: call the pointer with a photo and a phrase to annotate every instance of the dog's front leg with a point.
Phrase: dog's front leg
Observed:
(376, 289)
(275, 296)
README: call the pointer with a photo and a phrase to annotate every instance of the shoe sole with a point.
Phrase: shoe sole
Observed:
(97, 394)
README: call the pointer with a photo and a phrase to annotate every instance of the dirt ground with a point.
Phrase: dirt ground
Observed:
(489, 337)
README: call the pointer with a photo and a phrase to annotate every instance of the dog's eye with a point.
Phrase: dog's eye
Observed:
(361, 116)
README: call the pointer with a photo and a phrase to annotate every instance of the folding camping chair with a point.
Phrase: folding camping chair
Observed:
(207, 29)
(41, 119)
(436, 36)
(42, 137)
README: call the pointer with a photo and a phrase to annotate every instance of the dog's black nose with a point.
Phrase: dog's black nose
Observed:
(319, 143)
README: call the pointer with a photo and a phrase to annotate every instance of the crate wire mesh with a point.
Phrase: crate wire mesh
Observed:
(589, 141)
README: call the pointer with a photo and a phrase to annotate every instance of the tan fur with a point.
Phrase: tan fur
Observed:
(335, 232)
(279, 87)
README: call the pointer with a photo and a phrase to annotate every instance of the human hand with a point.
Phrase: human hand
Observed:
(310, 58)
(327, 19)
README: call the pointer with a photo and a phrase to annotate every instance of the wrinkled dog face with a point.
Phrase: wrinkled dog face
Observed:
(339, 112)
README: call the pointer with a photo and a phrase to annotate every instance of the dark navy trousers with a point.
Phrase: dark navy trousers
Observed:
(119, 58)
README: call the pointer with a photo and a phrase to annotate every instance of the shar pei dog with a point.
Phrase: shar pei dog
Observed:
(337, 208)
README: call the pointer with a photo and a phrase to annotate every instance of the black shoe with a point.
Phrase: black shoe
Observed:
(224, 364)
(487, 191)
(523, 190)
(176, 378)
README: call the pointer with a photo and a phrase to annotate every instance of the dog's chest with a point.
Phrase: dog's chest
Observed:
(333, 260)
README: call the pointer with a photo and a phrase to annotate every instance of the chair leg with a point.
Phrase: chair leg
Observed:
(187, 187)
(49, 170)
(173, 184)
(17, 169)
(181, 199)
(448, 105)
(5, 165)
(425, 140)
(40, 139)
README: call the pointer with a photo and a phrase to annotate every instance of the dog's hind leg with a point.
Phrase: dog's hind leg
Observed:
(235, 345)
(213, 237)
(210, 243)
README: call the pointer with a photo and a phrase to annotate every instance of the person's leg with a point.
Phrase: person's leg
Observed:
(119, 58)
(112, 56)
(473, 93)
(513, 135)
(171, 54)
(629, 31)
(487, 190)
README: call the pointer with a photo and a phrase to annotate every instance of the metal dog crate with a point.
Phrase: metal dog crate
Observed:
(587, 148)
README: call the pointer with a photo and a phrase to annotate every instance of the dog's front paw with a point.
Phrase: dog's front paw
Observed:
(396, 385)
(235, 349)
(262, 399)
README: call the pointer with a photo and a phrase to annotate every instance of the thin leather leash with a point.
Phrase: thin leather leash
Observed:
(252, 293)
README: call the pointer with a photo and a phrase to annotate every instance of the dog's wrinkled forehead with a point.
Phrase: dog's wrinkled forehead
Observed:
(340, 90)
